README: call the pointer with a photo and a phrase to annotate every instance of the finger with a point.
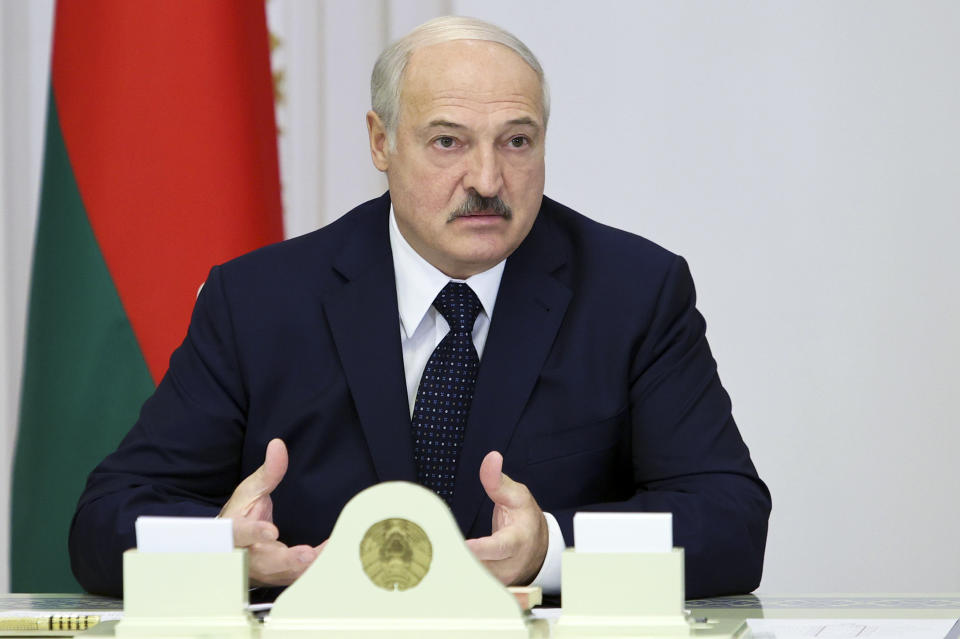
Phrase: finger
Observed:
(264, 479)
(491, 468)
(275, 564)
(260, 482)
(504, 561)
(494, 556)
(247, 532)
(303, 554)
(496, 547)
(498, 486)
(322, 545)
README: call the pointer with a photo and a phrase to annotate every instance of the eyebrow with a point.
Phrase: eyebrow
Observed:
(444, 123)
(524, 121)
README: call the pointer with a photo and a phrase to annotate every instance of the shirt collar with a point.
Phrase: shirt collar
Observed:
(419, 282)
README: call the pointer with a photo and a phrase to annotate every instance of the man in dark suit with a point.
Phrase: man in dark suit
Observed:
(544, 363)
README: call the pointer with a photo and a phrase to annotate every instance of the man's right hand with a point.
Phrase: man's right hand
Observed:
(272, 563)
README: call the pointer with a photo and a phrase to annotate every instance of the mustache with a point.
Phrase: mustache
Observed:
(475, 203)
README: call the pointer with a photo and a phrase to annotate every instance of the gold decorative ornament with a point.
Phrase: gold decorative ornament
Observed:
(395, 554)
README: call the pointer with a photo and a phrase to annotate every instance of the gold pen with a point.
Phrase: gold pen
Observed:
(52, 622)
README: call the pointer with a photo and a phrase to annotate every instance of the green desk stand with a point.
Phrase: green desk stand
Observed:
(185, 595)
(396, 566)
(616, 595)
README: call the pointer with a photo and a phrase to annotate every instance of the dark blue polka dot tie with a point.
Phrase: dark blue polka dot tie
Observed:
(446, 390)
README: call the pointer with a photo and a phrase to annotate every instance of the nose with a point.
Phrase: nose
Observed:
(483, 173)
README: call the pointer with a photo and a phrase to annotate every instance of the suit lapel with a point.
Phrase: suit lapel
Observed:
(530, 307)
(364, 321)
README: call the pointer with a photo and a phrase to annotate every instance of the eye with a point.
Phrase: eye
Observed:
(519, 141)
(445, 142)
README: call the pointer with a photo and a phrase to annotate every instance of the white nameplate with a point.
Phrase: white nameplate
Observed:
(623, 532)
(184, 534)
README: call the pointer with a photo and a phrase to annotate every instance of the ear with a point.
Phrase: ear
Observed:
(379, 146)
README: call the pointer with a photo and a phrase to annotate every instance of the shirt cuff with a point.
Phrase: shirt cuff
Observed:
(549, 576)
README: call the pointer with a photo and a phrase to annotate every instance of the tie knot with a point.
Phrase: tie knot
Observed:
(459, 306)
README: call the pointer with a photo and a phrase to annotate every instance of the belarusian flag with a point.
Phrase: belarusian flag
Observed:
(161, 161)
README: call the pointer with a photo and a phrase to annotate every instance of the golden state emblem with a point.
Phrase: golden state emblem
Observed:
(395, 554)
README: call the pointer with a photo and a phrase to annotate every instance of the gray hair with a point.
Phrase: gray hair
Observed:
(390, 66)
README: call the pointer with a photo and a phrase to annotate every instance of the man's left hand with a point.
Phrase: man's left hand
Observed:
(515, 550)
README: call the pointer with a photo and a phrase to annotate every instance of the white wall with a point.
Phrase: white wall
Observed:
(25, 29)
(803, 157)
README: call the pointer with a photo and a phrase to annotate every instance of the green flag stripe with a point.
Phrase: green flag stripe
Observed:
(83, 383)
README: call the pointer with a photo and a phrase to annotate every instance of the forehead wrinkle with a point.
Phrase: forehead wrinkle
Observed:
(453, 98)
(491, 98)
(441, 105)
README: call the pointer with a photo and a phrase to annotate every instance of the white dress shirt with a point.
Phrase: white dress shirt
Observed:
(422, 327)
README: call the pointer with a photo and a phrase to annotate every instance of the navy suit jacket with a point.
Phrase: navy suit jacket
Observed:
(596, 384)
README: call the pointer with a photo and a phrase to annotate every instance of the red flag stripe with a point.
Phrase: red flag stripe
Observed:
(167, 115)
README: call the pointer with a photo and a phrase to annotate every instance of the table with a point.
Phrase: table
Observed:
(759, 606)
(878, 606)
(873, 605)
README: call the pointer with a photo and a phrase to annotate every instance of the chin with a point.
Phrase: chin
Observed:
(477, 262)
(487, 255)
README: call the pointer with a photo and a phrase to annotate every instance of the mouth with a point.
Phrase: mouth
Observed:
(482, 213)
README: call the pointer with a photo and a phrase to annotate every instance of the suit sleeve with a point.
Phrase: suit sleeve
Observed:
(687, 454)
(181, 458)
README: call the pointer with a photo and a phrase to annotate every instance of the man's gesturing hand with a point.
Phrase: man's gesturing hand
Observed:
(272, 563)
(514, 552)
